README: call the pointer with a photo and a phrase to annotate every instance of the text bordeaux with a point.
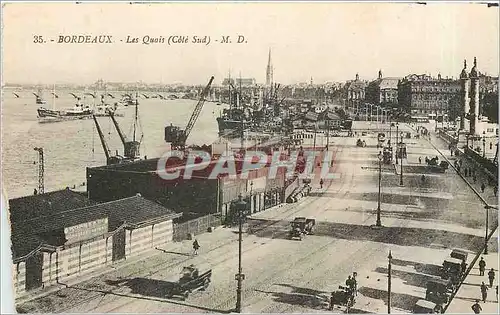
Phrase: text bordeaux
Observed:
(85, 39)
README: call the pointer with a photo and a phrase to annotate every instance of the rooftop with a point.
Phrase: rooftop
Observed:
(47, 226)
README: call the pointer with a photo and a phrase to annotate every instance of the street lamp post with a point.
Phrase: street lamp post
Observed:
(487, 208)
(401, 152)
(379, 223)
(389, 283)
(397, 132)
(240, 206)
(484, 144)
(252, 203)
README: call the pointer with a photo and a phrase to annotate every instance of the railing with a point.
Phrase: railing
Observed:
(483, 162)
(195, 226)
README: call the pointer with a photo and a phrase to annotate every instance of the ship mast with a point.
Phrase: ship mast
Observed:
(53, 98)
(229, 87)
(135, 118)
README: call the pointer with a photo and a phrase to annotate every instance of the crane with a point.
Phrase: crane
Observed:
(178, 137)
(40, 170)
(130, 148)
(109, 159)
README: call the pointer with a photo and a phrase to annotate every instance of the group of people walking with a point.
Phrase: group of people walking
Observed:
(476, 307)
(468, 171)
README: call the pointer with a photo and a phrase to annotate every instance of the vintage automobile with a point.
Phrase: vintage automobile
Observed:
(427, 307)
(459, 254)
(453, 269)
(387, 155)
(438, 291)
(300, 227)
(190, 281)
(361, 143)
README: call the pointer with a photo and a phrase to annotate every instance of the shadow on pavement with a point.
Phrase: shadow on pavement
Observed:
(398, 300)
(403, 236)
(306, 291)
(175, 253)
(144, 286)
(428, 269)
(409, 278)
(354, 310)
(305, 300)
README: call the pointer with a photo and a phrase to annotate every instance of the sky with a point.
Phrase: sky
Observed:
(322, 41)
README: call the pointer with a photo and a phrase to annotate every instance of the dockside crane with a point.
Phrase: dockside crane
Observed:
(40, 170)
(130, 148)
(109, 159)
(178, 137)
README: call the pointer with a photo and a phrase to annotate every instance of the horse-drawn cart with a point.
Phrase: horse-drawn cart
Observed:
(190, 281)
(345, 297)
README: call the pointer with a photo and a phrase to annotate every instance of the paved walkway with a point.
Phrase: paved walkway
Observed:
(470, 291)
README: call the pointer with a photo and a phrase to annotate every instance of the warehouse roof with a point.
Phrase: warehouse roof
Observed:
(45, 204)
(48, 227)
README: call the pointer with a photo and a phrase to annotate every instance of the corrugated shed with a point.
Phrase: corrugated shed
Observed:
(29, 233)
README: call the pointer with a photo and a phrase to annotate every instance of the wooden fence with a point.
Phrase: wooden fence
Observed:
(196, 226)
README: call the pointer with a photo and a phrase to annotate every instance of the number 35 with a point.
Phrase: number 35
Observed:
(37, 39)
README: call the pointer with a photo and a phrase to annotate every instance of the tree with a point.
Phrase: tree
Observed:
(489, 106)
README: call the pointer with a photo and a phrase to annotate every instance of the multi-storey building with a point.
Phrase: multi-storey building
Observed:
(354, 92)
(423, 95)
(237, 81)
(382, 91)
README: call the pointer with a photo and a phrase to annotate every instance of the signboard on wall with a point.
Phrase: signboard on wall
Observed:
(86, 230)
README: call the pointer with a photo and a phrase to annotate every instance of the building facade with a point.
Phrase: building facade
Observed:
(383, 91)
(426, 96)
(237, 81)
(354, 92)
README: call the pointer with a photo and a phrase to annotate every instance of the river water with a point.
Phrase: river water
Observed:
(71, 146)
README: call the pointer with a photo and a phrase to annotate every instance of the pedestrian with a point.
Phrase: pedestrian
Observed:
(321, 183)
(476, 307)
(491, 277)
(484, 292)
(419, 160)
(348, 281)
(483, 187)
(496, 290)
(196, 246)
(495, 190)
(332, 301)
(354, 283)
(482, 266)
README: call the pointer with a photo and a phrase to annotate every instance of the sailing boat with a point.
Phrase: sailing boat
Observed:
(39, 97)
(102, 109)
(79, 111)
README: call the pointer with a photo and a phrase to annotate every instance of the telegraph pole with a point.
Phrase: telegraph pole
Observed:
(40, 170)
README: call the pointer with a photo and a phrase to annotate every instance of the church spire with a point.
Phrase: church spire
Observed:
(464, 75)
(269, 70)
